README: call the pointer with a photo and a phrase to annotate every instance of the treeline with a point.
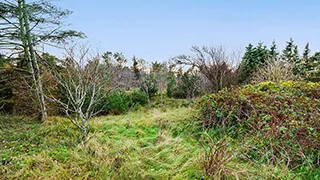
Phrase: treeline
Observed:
(209, 70)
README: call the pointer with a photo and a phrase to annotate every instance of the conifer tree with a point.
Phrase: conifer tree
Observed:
(291, 55)
(306, 52)
(274, 51)
(135, 68)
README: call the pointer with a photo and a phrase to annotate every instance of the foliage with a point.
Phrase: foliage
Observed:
(15, 97)
(284, 118)
(120, 102)
(184, 85)
(169, 103)
(138, 98)
(117, 102)
(254, 58)
(148, 85)
(135, 68)
(312, 67)
(291, 55)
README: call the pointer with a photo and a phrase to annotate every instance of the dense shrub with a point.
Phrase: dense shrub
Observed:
(284, 117)
(138, 98)
(117, 102)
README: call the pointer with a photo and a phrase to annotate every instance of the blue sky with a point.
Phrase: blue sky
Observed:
(159, 29)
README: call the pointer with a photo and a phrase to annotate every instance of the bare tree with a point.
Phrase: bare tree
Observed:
(214, 63)
(160, 73)
(84, 83)
(275, 71)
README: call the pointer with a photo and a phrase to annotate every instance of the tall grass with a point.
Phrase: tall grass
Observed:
(147, 144)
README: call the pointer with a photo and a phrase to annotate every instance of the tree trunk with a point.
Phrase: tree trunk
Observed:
(33, 63)
(22, 33)
(148, 96)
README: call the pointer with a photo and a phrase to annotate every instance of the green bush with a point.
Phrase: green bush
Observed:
(117, 102)
(283, 119)
(138, 98)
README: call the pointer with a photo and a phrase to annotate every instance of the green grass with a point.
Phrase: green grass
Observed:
(132, 146)
(148, 144)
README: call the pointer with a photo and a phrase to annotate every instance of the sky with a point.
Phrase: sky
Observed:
(157, 30)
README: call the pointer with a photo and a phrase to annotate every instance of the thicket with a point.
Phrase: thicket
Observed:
(184, 85)
(119, 102)
(279, 121)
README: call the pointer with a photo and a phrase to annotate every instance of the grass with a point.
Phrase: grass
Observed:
(148, 144)
(131, 146)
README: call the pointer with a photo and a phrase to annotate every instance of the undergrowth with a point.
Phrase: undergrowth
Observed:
(164, 143)
(272, 124)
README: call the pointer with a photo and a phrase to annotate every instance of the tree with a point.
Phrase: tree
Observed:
(303, 66)
(123, 78)
(185, 84)
(84, 83)
(160, 72)
(306, 52)
(147, 82)
(44, 19)
(214, 63)
(291, 55)
(135, 68)
(274, 51)
(313, 68)
(254, 58)
(288, 54)
(26, 25)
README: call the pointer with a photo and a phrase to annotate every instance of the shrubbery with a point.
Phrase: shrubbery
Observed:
(283, 118)
(185, 85)
(119, 102)
(138, 98)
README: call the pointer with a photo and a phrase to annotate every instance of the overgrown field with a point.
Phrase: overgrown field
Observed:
(160, 143)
